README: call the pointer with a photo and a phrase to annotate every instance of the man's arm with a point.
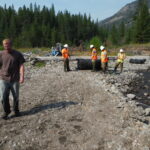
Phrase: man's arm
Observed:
(22, 73)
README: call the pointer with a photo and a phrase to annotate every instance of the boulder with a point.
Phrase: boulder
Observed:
(147, 111)
(131, 96)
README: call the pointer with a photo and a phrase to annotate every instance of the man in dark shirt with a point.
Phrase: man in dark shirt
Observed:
(11, 75)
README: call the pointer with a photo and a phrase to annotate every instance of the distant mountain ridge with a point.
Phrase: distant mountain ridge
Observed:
(125, 14)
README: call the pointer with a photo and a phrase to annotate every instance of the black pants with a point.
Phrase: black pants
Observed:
(94, 65)
(66, 65)
(121, 66)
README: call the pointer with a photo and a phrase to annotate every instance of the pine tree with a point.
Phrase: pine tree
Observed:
(122, 30)
(114, 38)
(12, 27)
(2, 23)
(128, 35)
(96, 42)
(142, 23)
(53, 37)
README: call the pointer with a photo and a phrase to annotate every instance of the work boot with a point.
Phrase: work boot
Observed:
(93, 70)
(115, 70)
(17, 114)
(5, 116)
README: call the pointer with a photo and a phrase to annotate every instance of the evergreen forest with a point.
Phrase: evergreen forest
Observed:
(43, 27)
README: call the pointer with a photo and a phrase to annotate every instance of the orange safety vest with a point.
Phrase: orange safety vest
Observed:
(65, 53)
(94, 54)
(104, 57)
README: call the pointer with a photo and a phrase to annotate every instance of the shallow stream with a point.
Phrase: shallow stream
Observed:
(142, 89)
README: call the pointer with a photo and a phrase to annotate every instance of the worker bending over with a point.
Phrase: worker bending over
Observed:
(120, 59)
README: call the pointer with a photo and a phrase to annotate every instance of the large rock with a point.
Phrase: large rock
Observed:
(131, 96)
(147, 111)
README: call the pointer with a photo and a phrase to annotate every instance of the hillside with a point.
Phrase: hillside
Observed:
(125, 14)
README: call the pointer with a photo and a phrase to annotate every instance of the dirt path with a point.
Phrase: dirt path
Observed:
(67, 111)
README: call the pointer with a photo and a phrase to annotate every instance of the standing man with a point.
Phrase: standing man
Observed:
(120, 59)
(65, 55)
(104, 58)
(11, 75)
(93, 57)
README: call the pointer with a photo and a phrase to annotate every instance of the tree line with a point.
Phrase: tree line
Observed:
(36, 27)
(42, 27)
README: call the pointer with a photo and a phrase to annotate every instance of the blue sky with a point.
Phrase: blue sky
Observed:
(98, 9)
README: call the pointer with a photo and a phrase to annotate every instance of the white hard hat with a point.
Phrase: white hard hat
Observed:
(121, 50)
(66, 45)
(91, 46)
(102, 47)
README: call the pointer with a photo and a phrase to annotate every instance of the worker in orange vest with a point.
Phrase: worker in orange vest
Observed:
(104, 59)
(65, 55)
(93, 57)
(120, 60)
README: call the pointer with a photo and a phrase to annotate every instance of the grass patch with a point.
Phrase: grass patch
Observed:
(130, 50)
(40, 64)
(42, 51)
(80, 53)
(36, 49)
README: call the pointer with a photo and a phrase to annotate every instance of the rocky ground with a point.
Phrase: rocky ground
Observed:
(81, 110)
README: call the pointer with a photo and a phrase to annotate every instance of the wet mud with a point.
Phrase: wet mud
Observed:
(141, 87)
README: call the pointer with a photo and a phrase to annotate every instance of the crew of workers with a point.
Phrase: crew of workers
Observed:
(103, 57)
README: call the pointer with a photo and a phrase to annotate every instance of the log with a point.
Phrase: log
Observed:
(51, 58)
(86, 64)
(137, 61)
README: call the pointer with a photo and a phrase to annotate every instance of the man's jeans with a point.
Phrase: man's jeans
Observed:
(5, 89)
